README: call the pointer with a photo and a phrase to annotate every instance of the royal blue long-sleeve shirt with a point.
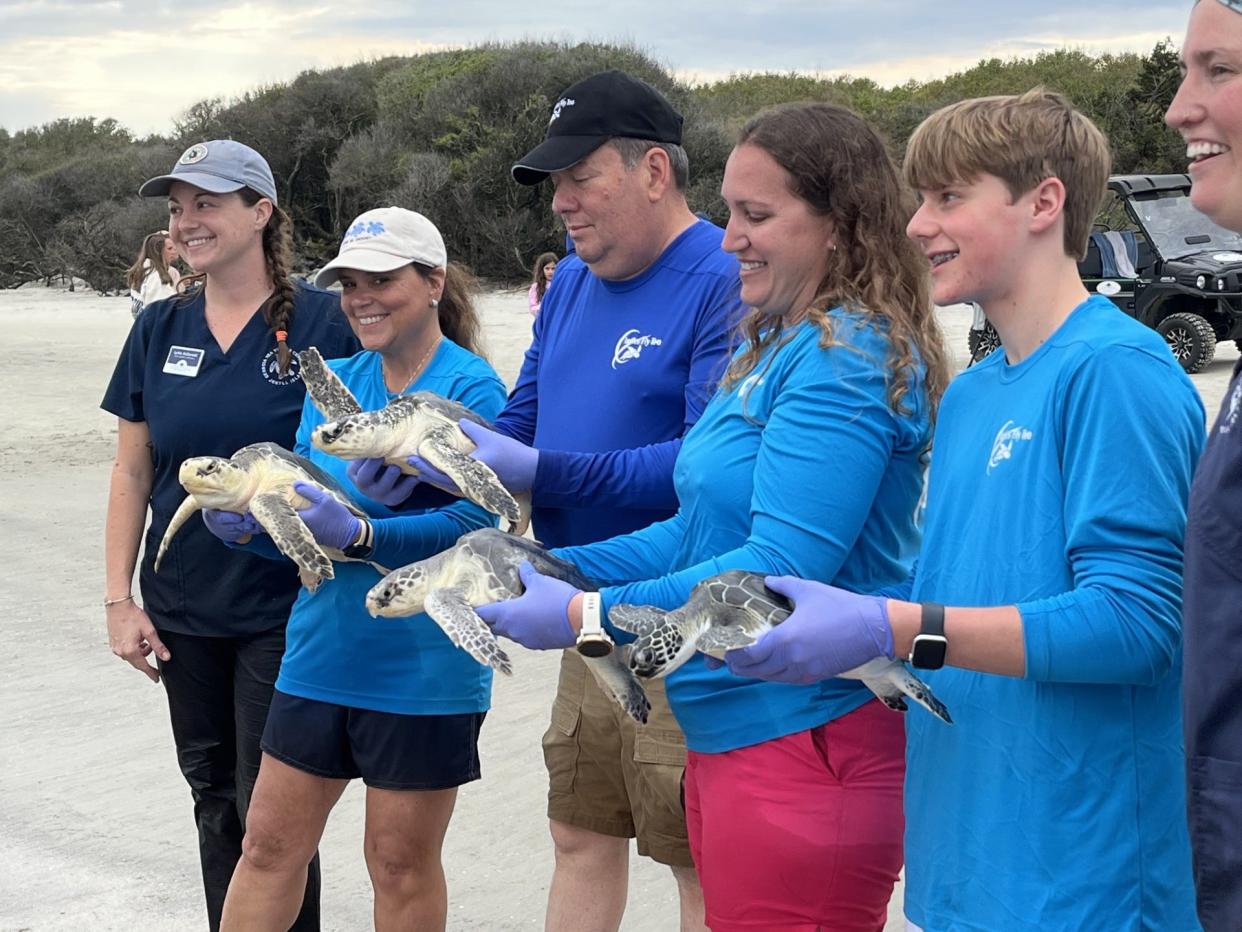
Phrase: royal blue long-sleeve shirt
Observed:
(615, 374)
(1059, 485)
(801, 468)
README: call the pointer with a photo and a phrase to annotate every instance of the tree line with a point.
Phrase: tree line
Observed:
(438, 133)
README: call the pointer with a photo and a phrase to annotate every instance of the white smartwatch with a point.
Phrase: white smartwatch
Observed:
(593, 640)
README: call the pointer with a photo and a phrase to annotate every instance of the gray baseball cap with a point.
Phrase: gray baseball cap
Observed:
(219, 166)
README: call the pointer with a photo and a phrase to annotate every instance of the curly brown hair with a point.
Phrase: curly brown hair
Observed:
(839, 167)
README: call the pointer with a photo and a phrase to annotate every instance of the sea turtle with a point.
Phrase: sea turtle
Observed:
(482, 567)
(419, 422)
(731, 610)
(259, 478)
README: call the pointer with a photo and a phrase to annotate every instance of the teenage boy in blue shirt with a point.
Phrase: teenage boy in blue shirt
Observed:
(1057, 498)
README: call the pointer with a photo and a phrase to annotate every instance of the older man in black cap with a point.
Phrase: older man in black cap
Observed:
(627, 348)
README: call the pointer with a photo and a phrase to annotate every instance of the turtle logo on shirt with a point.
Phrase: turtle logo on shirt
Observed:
(1002, 445)
(1235, 407)
(270, 368)
(631, 345)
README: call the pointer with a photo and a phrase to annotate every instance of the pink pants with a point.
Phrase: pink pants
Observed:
(801, 833)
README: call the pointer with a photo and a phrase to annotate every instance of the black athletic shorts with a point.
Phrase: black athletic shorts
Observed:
(388, 751)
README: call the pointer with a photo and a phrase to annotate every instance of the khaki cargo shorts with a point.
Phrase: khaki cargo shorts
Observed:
(608, 774)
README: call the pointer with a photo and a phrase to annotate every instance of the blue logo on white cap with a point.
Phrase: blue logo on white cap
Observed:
(363, 230)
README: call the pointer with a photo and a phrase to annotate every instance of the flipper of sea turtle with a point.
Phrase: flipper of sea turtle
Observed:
(327, 392)
(419, 422)
(450, 610)
(475, 479)
(292, 537)
(482, 567)
(259, 478)
(732, 610)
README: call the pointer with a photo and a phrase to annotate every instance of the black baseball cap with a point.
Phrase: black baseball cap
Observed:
(596, 109)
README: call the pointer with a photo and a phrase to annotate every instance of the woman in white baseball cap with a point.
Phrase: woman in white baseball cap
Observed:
(205, 373)
(392, 702)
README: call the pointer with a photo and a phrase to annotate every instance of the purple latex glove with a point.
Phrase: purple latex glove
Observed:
(830, 631)
(329, 521)
(539, 617)
(512, 461)
(229, 526)
(380, 482)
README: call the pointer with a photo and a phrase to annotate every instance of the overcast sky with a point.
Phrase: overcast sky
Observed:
(144, 63)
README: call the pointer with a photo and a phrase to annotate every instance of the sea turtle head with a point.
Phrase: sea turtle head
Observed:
(660, 643)
(399, 593)
(349, 437)
(214, 481)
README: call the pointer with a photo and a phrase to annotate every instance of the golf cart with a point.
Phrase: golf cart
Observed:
(1165, 264)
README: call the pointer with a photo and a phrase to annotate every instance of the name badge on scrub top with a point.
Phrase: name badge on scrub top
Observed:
(183, 360)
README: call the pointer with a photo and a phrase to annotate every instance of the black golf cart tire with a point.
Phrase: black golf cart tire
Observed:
(1191, 338)
(982, 343)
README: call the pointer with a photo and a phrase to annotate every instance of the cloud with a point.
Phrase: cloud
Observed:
(145, 63)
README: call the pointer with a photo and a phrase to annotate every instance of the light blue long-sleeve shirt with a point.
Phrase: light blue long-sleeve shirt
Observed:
(1056, 800)
(802, 468)
(335, 651)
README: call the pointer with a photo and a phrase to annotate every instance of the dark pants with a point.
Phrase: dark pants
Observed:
(218, 693)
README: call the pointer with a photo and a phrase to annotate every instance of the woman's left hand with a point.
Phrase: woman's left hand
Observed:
(329, 521)
(539, 617)
(830, 631)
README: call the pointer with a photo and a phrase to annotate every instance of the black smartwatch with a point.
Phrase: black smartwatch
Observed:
(361, 548)
(930, 644)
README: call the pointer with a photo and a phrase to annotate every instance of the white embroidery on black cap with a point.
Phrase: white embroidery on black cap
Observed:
(556, 111)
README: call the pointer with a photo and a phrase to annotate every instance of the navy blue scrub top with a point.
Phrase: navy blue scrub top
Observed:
(198, 400)
(1212, 674)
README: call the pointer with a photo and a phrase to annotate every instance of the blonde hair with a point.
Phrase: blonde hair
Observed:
(838, 166)
(1022, 140)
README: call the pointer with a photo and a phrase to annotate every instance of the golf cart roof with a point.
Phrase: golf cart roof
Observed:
(1129, 185)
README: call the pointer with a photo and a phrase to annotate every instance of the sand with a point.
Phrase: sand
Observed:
(95, 819)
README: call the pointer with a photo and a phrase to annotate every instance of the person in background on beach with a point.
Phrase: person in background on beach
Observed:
(395, 704)
(809, 460)
(541, 278)
(1207, 111)
(204, 374)
(153, 276)
(1056, 800)
(626, 350)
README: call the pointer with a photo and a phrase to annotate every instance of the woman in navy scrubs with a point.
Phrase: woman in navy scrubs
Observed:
(392, 701)
(1207, 111)
(205, 373)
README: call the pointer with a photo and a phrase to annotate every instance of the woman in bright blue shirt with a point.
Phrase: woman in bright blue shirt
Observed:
(393, 703)
(808, 461)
